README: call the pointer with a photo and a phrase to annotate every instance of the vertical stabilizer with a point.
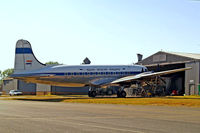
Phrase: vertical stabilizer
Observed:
(24, 57)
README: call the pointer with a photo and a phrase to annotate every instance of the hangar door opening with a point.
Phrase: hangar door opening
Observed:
(175, 81)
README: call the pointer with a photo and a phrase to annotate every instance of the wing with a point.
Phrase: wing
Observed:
(147, 75)
(102, 81)
(49, 79)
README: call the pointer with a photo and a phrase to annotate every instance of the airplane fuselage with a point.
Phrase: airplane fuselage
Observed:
(81, 75)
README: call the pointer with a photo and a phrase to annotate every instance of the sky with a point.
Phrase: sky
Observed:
(108, 32)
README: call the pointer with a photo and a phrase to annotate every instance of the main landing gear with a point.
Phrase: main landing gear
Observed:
(92, 92)
(121, 93)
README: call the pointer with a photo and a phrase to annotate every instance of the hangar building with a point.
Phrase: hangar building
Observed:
(187, 82)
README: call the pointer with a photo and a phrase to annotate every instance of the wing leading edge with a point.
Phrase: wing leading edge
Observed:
(147, 75)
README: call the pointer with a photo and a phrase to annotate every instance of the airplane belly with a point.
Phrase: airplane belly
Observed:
(70, 82)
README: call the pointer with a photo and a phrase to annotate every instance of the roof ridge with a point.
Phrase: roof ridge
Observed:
(184, 54)
(179, 52)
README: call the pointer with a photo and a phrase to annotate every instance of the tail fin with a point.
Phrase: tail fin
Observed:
(24, 57)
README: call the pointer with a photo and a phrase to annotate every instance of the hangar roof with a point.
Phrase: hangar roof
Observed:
(189, 55)
(164, 58)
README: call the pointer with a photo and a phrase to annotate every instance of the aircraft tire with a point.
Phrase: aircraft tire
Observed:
(93, 93)
(123, 94)
(89, 93)
(118, 94)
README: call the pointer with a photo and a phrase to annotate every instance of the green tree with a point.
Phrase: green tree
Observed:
(0, 79)
(0, 74)
(4, 75)
(7, 73)
(52, 63)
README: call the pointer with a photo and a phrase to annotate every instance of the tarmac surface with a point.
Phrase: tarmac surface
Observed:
(55, 117)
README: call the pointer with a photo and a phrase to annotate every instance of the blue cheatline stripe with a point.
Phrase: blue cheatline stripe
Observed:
(24, 51)
(79, 74)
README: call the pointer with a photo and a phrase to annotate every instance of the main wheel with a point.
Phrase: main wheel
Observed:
(89, 93)
(118, 94)
(123, 94)
(93, 93)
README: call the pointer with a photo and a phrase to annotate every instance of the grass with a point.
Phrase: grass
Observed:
(164, 101)
(189, 101)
